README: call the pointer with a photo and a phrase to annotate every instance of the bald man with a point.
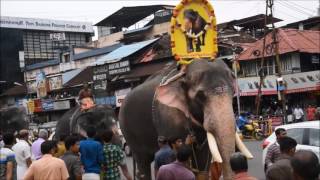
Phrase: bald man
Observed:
(22, 152)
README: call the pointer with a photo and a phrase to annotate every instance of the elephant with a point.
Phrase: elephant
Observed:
(13, 119)
(76, 121)
(174, 103)
(194, 23)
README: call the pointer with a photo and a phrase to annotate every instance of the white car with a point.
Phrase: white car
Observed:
(307, 135)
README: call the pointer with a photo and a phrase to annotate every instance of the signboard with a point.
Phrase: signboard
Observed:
(58, 36)
(41, 84)
(61, 105)
(47, 105)
(120, 95)
(37, 105)
(55, 82)
(45, 24)
(298, 82)
(31, 107)
(119, 67)
(193, 31)
(100, 75)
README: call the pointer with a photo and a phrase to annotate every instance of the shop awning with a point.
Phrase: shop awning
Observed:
(298, 82)
(15, 91)
(123, 51)
(84, 76)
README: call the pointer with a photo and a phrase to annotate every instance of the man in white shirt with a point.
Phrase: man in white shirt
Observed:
(298, 114)
(22, 152)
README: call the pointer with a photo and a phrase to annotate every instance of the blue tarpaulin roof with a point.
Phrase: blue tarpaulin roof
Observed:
(123, 52)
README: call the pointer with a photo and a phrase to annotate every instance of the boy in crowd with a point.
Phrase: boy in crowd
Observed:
(7, 161)
(71, 158)
(113, 157)
(91, 155)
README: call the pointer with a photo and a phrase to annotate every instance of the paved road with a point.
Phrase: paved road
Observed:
(255, 166)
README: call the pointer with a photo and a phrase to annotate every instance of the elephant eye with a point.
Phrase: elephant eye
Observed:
(201, 96)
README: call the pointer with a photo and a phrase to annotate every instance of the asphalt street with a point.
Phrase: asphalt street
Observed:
(255, 165)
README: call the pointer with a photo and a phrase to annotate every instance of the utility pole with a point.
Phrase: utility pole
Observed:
(275, 45)
(261, 69)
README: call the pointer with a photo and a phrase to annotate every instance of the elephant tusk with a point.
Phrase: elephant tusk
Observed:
(216, 157)
(243, 149)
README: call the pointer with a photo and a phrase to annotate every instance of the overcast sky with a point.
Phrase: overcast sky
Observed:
(94, 11)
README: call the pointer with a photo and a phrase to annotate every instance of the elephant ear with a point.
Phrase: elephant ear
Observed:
(173, 95)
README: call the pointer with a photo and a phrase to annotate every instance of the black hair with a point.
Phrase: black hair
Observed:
(287, 143)
(238, 162)
(279, 130)
(306, 164)
(184, 153)
(70, 141)
(172, 140)
(107, 135)
(91, 131)
(8, 138)
(47, 146)
(62, 136)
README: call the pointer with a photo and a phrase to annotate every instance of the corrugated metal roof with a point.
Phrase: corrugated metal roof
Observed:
(96, 52)
(290, 40)
(128, 32)
(123, 51)
(42, 64)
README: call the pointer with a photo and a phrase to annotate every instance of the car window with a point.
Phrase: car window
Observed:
(296, 133)
(314, 139)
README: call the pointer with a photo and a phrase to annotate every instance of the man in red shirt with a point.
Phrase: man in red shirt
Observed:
(311, 112)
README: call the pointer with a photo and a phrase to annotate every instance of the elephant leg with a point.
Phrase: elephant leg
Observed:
(203, 39)
(198, 49)
(143, 162)
(189, 44)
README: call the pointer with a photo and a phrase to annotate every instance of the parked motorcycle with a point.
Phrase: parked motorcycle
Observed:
(252, 130)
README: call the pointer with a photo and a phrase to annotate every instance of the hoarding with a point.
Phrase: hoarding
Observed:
(193, 30)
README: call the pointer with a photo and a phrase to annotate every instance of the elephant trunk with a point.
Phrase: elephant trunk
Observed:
(220, 126)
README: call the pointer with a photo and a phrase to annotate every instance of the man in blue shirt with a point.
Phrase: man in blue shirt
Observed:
(91, 152)
(164, 155)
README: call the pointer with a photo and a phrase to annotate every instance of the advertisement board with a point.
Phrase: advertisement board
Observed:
(41, 84)
(193, 30)
(120, 95)
(47, 104)
(61, 105)
(45, 24)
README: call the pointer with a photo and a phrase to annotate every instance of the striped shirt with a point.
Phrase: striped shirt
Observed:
(273, 154)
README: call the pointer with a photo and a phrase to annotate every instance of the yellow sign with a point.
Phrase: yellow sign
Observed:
(193, 31)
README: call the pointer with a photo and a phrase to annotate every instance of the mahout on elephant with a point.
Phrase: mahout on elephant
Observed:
(13, 119)
(172, 103)
(76, 121)
(194, 24)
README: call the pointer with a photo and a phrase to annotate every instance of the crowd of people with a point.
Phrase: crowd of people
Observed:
(72, 157)
(92, 158)
(283, 162)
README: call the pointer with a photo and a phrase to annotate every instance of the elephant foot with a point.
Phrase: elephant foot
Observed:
(190, 50)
